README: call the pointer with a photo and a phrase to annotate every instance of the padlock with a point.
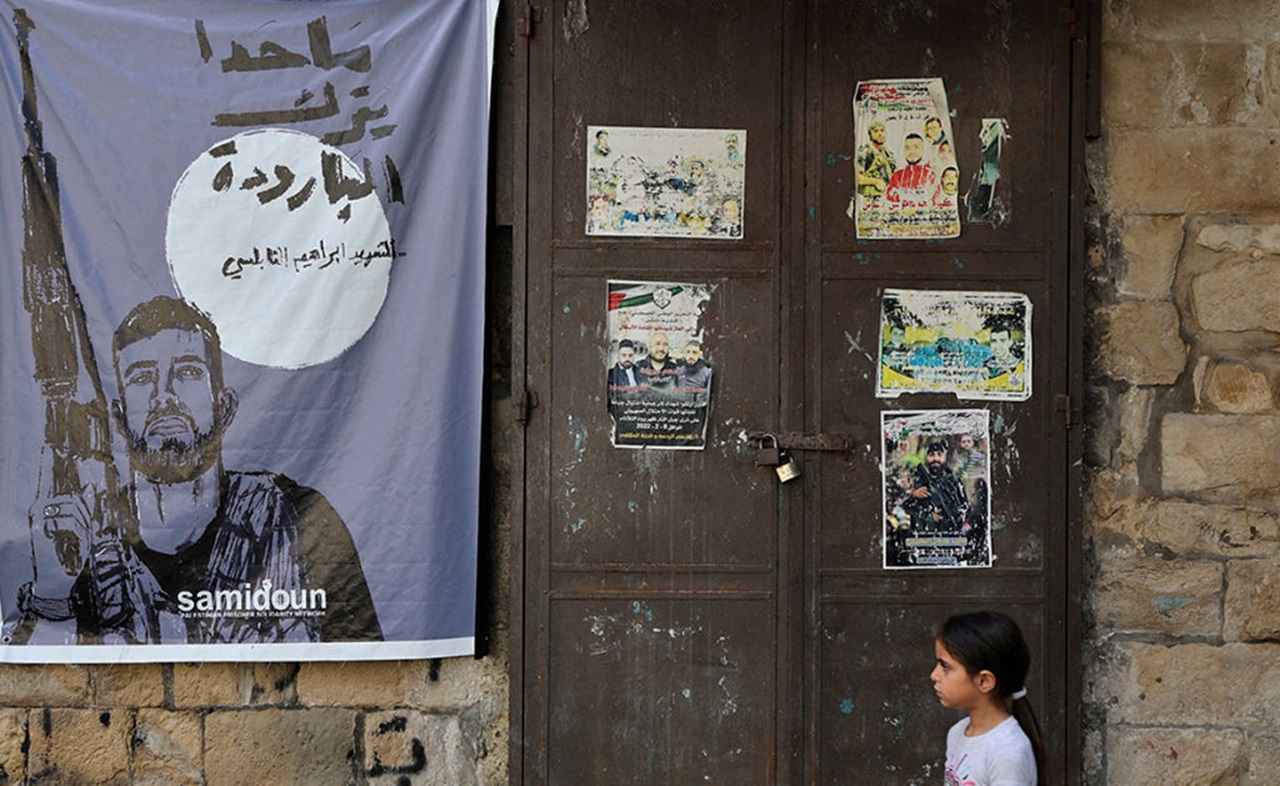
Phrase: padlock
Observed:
(768, 456)
(788, 468)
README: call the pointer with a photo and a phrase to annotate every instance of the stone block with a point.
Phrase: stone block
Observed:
(1119, 534)
(1234, 685)
(261, 684)
(13, 756)
(1112, 491)
(271, 746)
(1141, 343)
(1175, 757)
(235, 685)
(1273, 59)
(462, 683)
(79, 746)
(1238, 389)
(1264, 758)
(1191, 529)
(1186, 529)
(1238, 295)
(1252, 605)
(1189, 170)
(167, 749)
(127, 685)
(1188, 20)
(25, 685)
(1218, 84)
(358, 683)
(1099, 427)
(206, 685)
(1154, 595)
(448, 684)
(1135, 421)
(1137, 77)
(423, 749)
(1151, 245)
(1221, 457)
(1155, 85)
(1237, 238)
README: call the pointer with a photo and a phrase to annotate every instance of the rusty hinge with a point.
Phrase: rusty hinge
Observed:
(1062, 402)
(524, 406)
(528, 20)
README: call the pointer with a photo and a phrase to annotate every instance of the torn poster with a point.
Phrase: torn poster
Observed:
(937, 500)
(232, 429)
(988, 202)
(659, 373)
(974, 344)
(906, 177)
(665, 182)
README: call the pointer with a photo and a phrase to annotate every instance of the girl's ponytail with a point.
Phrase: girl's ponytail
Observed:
(1026, 718)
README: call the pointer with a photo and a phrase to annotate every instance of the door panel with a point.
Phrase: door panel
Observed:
(651, 646)
(881, 721)
(667, 64)
(997, 59)
(651, 509)
(660, 689)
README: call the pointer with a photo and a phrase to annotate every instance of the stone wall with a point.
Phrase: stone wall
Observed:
(427, 723)
(1183, 436)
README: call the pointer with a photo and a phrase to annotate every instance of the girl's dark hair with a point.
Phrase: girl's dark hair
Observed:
(991, 641)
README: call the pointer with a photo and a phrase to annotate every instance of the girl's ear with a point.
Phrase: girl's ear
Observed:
(985, 681)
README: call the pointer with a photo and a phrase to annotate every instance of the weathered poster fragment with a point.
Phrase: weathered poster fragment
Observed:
(937, 498)
(665, 182)
(974, 344)
(988, 201)
(906, 177)
(658, 377)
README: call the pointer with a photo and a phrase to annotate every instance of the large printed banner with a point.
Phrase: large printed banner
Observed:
(241, 273)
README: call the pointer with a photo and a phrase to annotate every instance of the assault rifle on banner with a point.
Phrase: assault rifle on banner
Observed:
(79, 554)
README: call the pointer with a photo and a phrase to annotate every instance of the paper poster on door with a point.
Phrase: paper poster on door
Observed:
(937, 499)
(974, 344)
(906, 177)
(665, 182)
(988, 197)
(659, 371)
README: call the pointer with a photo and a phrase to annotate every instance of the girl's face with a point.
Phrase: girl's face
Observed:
(956, 688)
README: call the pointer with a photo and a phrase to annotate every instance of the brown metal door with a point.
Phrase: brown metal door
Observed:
(683, 618)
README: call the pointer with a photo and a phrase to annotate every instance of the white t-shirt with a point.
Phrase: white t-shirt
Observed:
(1000, 757)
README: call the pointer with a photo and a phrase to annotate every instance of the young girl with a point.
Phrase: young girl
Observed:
(981, 667)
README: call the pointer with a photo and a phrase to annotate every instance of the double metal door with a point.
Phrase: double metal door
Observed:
(682, 616)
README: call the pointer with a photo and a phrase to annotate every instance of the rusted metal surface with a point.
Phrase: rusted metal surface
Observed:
(686, 618)
(799, 440)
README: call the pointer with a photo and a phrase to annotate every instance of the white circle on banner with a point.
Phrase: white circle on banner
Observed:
(282, 241)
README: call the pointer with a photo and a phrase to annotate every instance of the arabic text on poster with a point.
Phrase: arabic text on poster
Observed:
(659, 374)
(937, 494)
(906, 176)
(974, 344)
